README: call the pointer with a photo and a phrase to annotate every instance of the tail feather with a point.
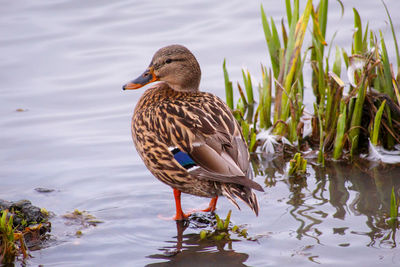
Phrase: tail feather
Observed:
(230, 191)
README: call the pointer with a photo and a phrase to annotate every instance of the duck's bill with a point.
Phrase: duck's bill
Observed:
(147, 77)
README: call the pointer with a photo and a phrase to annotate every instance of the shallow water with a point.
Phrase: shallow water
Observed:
(64, 62)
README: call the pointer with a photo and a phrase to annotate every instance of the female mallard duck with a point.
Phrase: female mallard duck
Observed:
(189, 139)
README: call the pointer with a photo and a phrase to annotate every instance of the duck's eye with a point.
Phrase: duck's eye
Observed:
(168, 61)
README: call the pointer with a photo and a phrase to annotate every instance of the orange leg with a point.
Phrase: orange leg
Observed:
(179, 216)
(212, 206)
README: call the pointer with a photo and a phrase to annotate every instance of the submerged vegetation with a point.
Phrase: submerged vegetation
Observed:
(11, 241)
(297, 165)
(83, 219)
(223, 230)
(347, 119)
(22, 225)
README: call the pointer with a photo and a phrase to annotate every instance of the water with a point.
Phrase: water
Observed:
(63, 64)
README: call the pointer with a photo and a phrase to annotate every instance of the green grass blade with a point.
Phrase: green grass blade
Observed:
(396, 90)
(321, 158)
(337, 64)
(242, 96)
(220, 223)
(228, 87)
(341, 6)
(245, 130)
(323, 16)
(253, 141)
(357, 45)
(3, 219)
(387, 75)
(365, 39)
(248, 87)
(265, 101)
(394, 209)
(335, 94)
(317, 28)
(377, 124)
(292, 55)
(340, 130)
(284, 33)
(356, 118)
(273, 42)
(227, 220)
(288, 11)
(295, 13)
(345, 58)
(394, 34)
(319, 70)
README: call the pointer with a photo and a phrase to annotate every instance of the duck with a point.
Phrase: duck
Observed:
(187, 138)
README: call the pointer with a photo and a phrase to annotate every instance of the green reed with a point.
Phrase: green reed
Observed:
(342, 122)
(394, 209)
(377, 124)
(228, 87)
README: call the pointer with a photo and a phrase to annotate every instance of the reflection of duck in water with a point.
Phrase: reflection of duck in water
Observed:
(189, 139)
(190, 252)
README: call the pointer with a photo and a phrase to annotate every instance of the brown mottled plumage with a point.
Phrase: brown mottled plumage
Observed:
(189, 139)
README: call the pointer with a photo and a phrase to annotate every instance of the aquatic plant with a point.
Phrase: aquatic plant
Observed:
(21, 225)
(297, 165)
(9, 238)
(222, 230)
(82, 218)
(394, 210)
(342, 124)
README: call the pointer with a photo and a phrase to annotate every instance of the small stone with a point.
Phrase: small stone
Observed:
(4, 204)
(44, 190)
(30, 213)
(20, 204)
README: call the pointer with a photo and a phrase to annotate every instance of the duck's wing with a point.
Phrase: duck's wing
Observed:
(205, 136)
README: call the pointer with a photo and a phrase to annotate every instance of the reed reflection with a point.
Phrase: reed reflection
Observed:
(358, 189)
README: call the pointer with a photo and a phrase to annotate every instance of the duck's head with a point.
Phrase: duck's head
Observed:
(173, 64)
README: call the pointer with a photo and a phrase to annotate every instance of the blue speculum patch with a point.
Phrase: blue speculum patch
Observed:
(183, 158)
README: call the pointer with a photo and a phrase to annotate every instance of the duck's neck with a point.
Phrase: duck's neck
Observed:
(181, 88)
